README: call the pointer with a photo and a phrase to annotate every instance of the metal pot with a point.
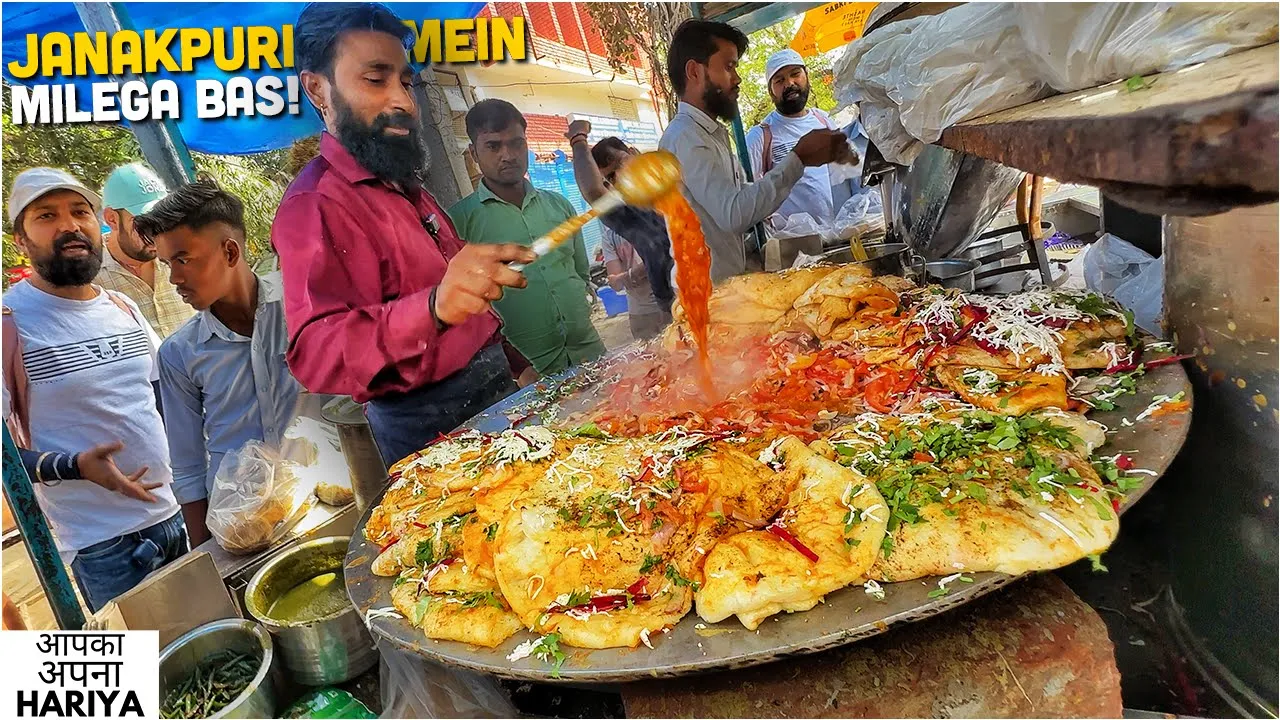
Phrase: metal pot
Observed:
(954, 273)
(886, 259)
(364, 462)
(325, 651)
(944, 200)
(181, 657)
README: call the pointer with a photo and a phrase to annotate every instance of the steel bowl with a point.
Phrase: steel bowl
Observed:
(953, 273)
(325, 651)
(181, 657)
(885, 259)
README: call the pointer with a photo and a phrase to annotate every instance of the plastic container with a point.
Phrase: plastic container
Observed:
(614, 303)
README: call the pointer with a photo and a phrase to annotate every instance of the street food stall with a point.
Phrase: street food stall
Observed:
(839, 489)
(1146, 142)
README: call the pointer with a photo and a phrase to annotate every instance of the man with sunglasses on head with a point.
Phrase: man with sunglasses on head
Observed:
(223, 377)
(129, 265)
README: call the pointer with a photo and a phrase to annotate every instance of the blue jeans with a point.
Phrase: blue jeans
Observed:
(404, 424)
(108, 569)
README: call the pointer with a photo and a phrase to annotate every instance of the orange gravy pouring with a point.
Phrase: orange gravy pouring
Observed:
(693, 274)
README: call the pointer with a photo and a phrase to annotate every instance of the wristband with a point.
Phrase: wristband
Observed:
(575, 136)
(431, 306)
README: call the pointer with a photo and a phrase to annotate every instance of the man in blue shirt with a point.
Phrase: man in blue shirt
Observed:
(223, 377)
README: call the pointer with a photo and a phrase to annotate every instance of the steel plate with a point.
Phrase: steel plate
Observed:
(693, 646)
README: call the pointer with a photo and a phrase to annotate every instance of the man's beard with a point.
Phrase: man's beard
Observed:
(61, 271)
(792, 101)
(393, 158)
(129, 245)
(718, 101)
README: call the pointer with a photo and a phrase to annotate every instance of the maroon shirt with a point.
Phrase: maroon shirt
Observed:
(359, 265)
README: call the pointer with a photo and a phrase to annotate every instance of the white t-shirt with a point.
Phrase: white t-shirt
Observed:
(812, 194)
(90, 367)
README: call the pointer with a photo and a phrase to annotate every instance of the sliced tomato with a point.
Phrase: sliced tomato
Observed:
(882, 392)
(665, 508)
(922, 457)
(691, 482)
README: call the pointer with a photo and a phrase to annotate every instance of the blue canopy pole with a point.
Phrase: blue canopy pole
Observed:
(39, 541)
(740, 139)
(739, 134)
(160, 140)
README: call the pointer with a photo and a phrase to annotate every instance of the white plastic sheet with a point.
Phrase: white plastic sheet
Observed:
(413, 687)
(1127, 273)
(1080, 45)
(916, 77)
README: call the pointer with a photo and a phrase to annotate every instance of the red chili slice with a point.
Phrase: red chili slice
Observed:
(637, 589)
(782, 532)
(1167, 360)
(986, 346)
(1115, 504)
(391, 542)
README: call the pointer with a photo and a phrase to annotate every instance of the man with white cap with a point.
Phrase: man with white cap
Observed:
(79, 364)
(129, 265)
(771, 141)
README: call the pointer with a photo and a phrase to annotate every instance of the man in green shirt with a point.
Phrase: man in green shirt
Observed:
(549, 321)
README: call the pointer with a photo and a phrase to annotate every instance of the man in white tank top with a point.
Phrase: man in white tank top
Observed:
(89, 361)
(770, 142)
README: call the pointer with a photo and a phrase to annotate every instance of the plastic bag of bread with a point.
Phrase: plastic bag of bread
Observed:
(257, 498)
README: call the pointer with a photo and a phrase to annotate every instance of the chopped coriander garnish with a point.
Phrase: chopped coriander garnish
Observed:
(679, 580)
(650, 562)
(587, 430)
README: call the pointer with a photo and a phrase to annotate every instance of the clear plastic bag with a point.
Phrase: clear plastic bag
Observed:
(861, 215)
(413, 687)
(793, 226)
(257, 498)
(1127, 273)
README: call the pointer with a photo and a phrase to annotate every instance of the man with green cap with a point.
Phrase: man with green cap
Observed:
(129, 266)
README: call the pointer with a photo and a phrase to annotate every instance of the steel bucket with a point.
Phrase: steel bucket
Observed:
(181, 657)
(364, 462)
(325, 651)
(940, 204)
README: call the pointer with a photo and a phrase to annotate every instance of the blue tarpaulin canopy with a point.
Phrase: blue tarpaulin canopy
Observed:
(226, 136)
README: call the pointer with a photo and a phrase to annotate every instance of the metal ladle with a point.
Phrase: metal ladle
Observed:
(641, 182)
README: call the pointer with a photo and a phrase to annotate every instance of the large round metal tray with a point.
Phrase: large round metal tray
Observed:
(693, 646)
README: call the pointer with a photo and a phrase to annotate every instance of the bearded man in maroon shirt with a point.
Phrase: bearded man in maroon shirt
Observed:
(383, 300)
